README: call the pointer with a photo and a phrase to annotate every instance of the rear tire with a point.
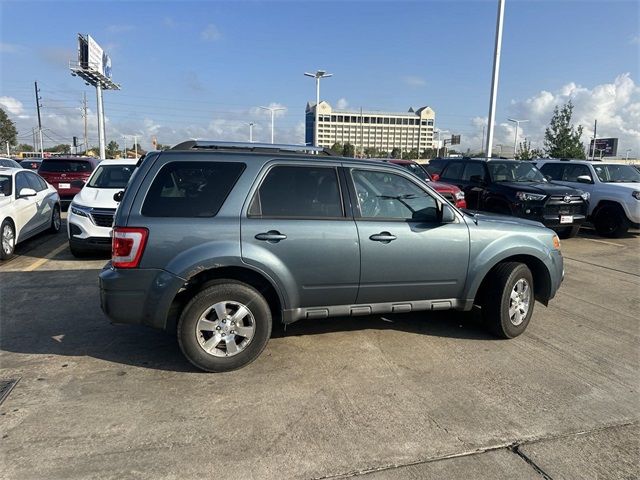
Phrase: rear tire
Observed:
(7, 240)
(508, 299)
(611, 222)
(224, 327)
(568, 232)
(56, 220)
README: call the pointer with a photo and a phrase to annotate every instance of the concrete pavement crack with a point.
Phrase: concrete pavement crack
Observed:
(516, 449)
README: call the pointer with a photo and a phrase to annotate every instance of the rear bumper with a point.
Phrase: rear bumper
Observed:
(138, 296)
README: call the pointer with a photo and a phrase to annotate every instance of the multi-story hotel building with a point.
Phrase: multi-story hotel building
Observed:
(381, 130)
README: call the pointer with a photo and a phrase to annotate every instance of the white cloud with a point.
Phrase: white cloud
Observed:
(414, 81)
(634, 40)
(12, 105)
(10, 47)
(342, 104)
(211, 33)
(615, 105)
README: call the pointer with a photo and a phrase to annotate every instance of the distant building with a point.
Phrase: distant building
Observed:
(381, 130)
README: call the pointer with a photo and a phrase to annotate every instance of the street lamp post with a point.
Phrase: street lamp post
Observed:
(515, 139)
(440, 132)
(273, 111)
(626, 154)
(251, 124)
(318, 75)
(495, 76)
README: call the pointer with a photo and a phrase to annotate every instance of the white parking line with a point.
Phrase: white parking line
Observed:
(38, 263)
(604, 241)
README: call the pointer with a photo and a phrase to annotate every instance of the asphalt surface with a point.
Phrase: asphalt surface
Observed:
(406, 396)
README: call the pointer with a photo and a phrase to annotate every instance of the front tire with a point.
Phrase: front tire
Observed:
(508, 299)
(56, 220)
(611, 222)
(7, 240)
(224, 327)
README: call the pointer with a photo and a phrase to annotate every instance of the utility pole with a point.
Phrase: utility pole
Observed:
(38, 106)
(595, 130)
(318, 75)
(124, 146)
(251, 124)
(494, 77)
(626, 155)
(33, 135)
(515, 139)
(483, 132)
(135, 146)
(84, 116)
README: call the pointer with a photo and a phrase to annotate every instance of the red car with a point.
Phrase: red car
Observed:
(67, 174)
(448, 191)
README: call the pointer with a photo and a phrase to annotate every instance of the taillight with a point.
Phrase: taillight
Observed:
(127, 246)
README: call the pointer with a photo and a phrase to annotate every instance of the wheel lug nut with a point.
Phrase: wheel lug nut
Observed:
(223, 334)
(217, 328)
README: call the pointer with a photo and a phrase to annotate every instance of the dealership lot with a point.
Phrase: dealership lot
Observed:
(403, 396)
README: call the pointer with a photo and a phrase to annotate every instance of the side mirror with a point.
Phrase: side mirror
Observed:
(584, 179)
(27, 192)
(435, 177)
(548, 177)
(448, 216)
(118, 196)
(477, 180)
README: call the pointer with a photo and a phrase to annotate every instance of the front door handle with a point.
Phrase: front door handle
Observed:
(384, 237)
(272, 236)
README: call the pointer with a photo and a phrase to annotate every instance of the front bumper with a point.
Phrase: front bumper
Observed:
(138, 296)
(85, 235)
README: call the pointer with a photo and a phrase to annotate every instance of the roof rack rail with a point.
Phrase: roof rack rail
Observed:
(253, 147)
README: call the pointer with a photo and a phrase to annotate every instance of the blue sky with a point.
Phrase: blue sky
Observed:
(201, 68)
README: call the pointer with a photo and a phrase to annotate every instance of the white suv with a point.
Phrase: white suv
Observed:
(614, 189)
(28, 205)
(91, 213)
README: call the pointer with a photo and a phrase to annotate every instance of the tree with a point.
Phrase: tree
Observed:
(112, 149)
(412, 154)
(396, 152)
(60, 148)
(8, 132)
(24, 147)
(561, 139)
(429, 153)
(337, 148)
(371, 152)
(160, 146)
(525, 152)
(348, 150)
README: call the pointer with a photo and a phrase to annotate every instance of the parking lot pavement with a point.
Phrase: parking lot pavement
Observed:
(405, 396)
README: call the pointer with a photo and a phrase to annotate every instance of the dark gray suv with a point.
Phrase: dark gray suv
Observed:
(220, 239)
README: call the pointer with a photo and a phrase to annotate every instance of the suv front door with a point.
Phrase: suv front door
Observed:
(407, 254)
(296, 228)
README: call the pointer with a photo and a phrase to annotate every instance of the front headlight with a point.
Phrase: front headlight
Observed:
(636, 194)
(80, 210)
(527, 197)
(586, 196)
(459, 195)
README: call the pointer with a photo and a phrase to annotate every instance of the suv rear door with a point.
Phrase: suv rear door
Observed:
(296, 227)
(471, 177)
(407, 254)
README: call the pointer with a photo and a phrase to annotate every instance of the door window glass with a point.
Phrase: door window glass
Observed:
(572, 172)
(33, 182)
(473, 169)
(21, 182)
(387, 195)
(299, 192)
(453, 170)
(553, 170)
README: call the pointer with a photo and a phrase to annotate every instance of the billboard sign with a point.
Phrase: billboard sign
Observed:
(605, 147)
(92, 57)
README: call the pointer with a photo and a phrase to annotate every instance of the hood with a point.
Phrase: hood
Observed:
(97, 197)
(481, 217)
(547, 188)
(443, 187)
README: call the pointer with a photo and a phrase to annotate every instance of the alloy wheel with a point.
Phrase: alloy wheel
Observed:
(519, 302)
(225, 329)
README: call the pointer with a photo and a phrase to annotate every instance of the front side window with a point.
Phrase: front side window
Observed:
(553, 170)
(473, 169)
(191, 189)
(111, 176)
(615, 173)
(298, 192)
(21, 182)
(34, 182)
(390, 196)
(521, 172)
(572, 172)
(453, 171)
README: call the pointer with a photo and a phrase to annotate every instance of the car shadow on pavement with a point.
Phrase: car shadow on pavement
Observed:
(58, 313)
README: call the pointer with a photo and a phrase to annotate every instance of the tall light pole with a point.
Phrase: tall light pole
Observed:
(626, 154)
(440, 132)
(273, 111)
(251, 124)
(318, 75)
(515, 139)
(135, 145)
(124, 146)
(495, 76)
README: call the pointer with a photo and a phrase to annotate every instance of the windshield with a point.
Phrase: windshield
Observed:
(5, 186)
(514, 172)
(417, 170)
(613, 173)
(111, 176)
(65, 166)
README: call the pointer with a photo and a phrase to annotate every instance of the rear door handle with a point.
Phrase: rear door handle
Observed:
(384, 237)
(272, 236)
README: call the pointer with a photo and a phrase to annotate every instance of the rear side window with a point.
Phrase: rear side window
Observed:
(191, 189)
(65, 166)
(300, 192)
(5, 185)
(21, 182)
(554, 170)
(473, 169)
